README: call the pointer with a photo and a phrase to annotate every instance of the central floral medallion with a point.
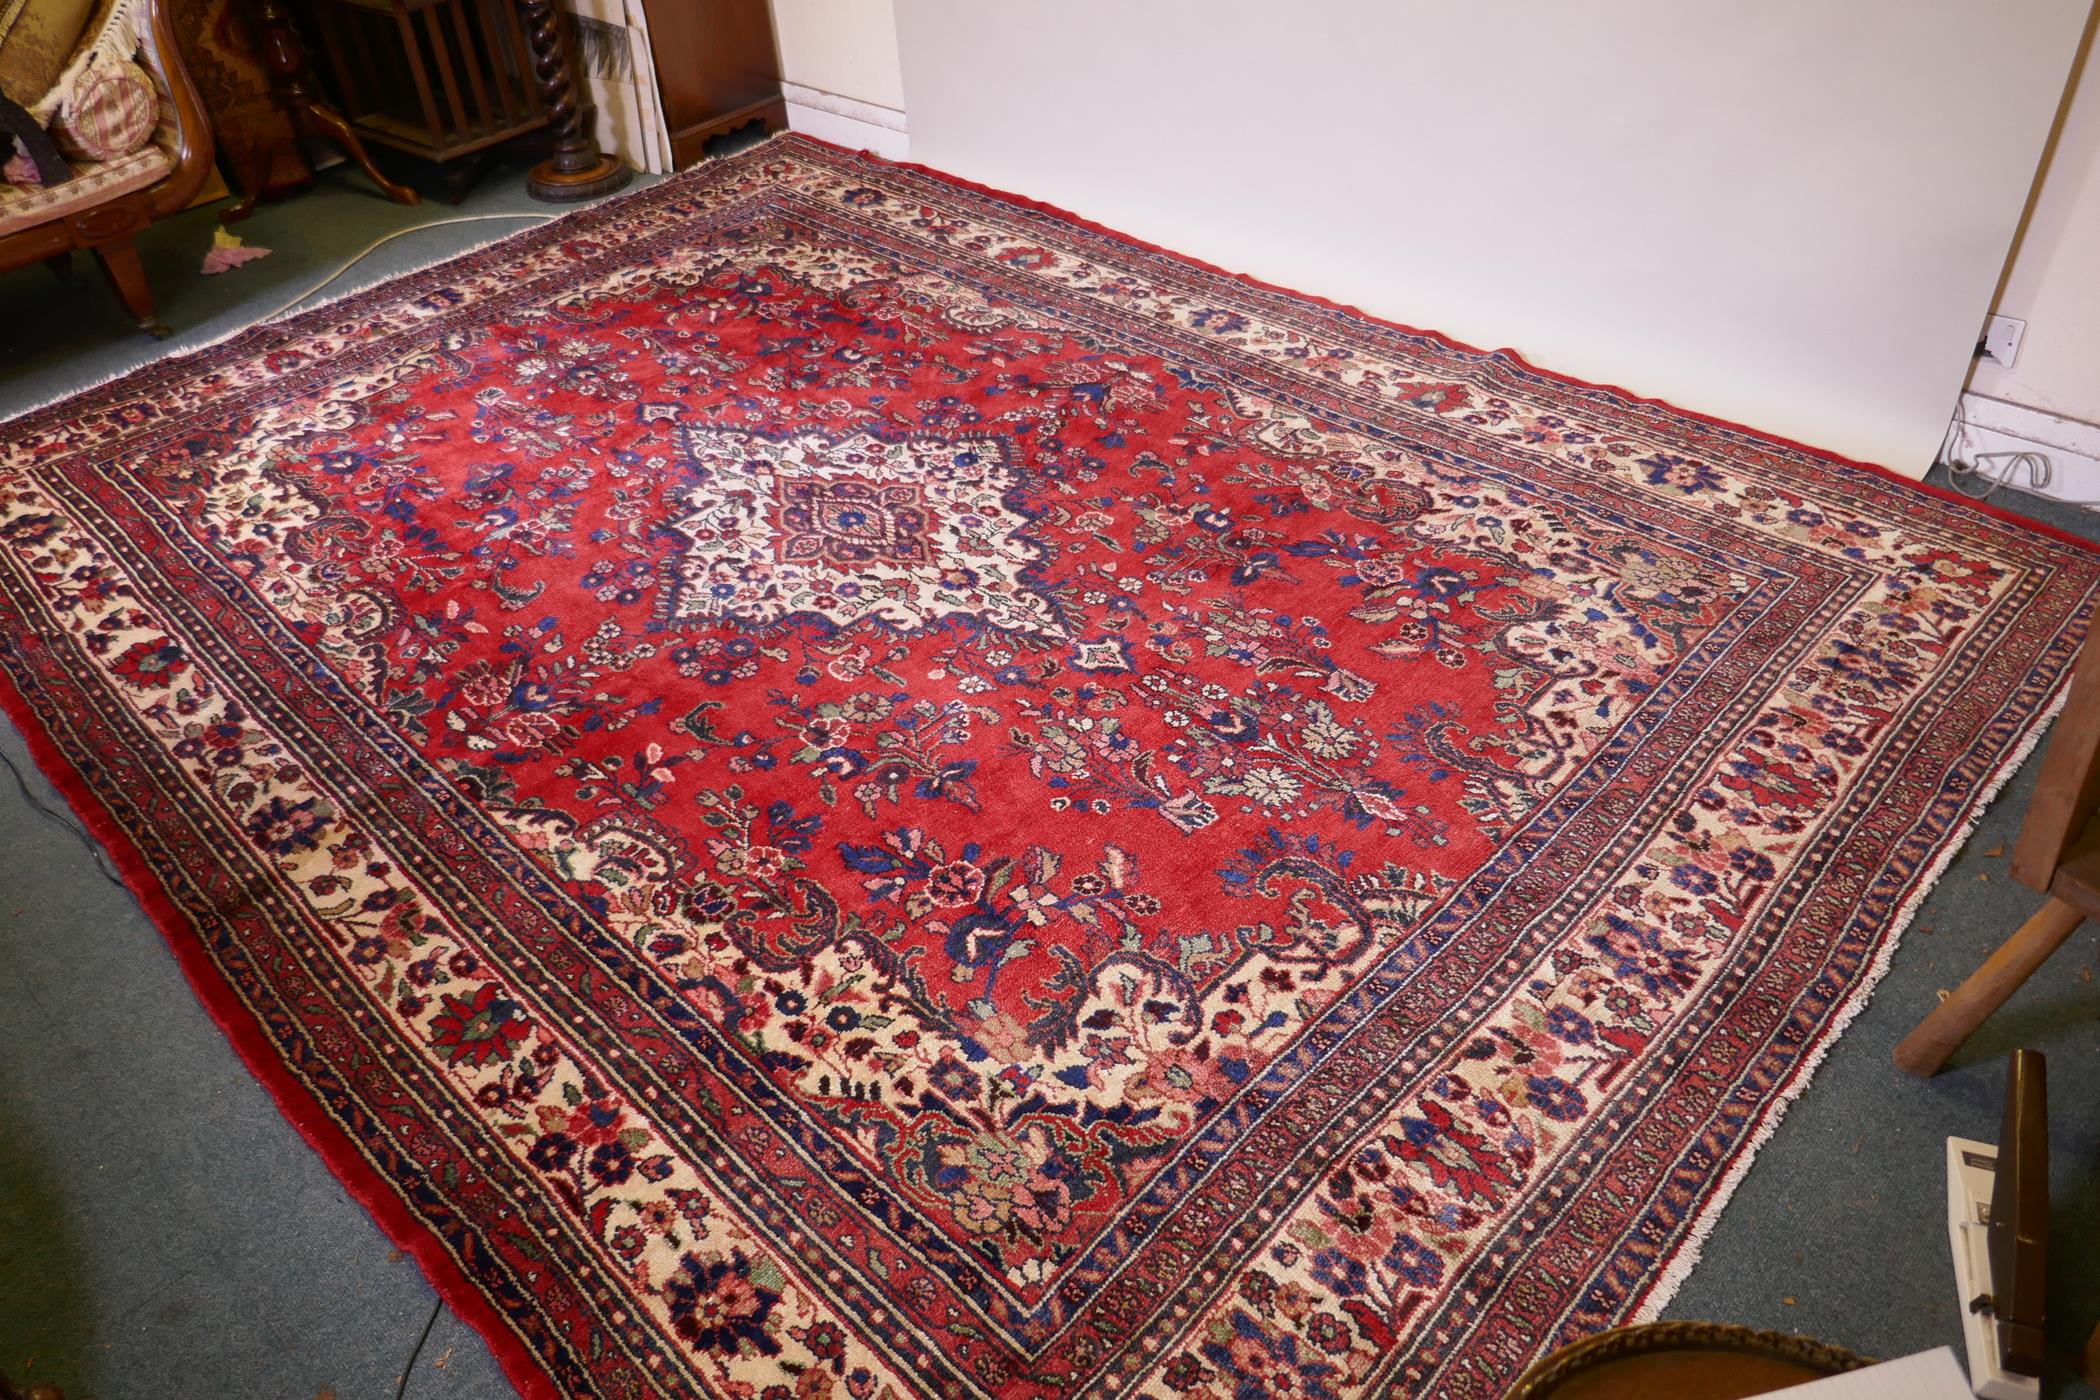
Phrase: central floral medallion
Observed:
(909, 532)
(850, 523)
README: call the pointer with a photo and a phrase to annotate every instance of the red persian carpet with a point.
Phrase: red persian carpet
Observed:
(821, 783)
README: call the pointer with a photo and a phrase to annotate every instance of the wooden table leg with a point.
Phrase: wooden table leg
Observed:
(577, 170)
(293, 87)
(1939, 1035)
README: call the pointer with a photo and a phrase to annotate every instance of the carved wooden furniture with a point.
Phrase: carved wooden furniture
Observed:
(442, 80)
(717, 69)
(449, 80)
(253, 138)
(457, 77)
(311, 113)
(2058, 855)
(106, 215)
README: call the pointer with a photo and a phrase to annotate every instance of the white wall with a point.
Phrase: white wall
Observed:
(2046, 403)
(840, 74)
(2054, 282)
(1792, 213)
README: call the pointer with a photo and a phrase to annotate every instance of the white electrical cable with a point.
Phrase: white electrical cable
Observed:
(1978, 468)
(1965, 464)
(376, 244)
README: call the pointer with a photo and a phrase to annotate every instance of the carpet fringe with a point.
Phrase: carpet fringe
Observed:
(1687, 1255)
(555, 219)
(89, 386)
(285, 318)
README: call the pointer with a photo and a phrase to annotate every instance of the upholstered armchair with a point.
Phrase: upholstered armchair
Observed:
(107, 203)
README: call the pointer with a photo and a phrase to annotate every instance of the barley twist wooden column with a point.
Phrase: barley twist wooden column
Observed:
(577, 169)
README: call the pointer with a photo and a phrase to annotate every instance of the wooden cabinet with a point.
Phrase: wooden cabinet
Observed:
(716, 69)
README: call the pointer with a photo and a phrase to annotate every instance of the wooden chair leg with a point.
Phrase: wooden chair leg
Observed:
(2092, 1359)
(1939, 1035)
(127, 276)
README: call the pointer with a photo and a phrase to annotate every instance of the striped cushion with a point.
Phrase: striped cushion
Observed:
(110, 112)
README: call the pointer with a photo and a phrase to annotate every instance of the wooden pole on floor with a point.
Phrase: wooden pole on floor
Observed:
(1939, 1035)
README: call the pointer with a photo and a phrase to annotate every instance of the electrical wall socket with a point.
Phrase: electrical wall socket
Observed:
(2001, 340)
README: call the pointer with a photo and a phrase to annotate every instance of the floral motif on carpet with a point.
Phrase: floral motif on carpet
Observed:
(819, 783)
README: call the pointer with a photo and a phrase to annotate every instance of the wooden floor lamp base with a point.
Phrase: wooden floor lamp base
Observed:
(577, 170)
(557, 186)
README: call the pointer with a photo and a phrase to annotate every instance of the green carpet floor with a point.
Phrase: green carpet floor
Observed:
(163, 1232)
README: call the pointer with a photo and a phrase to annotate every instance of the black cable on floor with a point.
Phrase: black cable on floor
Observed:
(64, 819)
(410, 1369)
